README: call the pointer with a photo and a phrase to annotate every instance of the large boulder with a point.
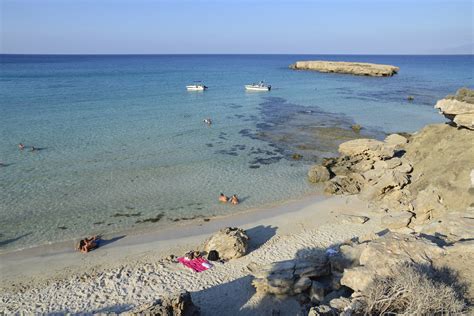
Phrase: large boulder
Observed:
(288, 277)
(379, 256)
(318, 173)
(459, 108)
(178, 305)
(230, 243)
(428, 205)
(396, 220)
(396, 141)
(350, 184)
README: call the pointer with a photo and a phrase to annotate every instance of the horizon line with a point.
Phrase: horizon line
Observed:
(235, 54)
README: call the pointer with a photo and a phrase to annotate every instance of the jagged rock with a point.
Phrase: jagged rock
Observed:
(318, 173)
(179, 305)
(428, 205)
(396, 141)
(350, 184)
(346, 257)
(353, 68)
(453, 226)
(288, 277)
(465, 120)
(396, 220)
(321, 310)
(380, 255)
(382, 184)
(459, 109)
(316, 292)
(230, 243)
(355, 219)
(340, 303)
(370, 148)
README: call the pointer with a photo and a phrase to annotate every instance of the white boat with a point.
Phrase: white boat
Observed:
(261, 86)
(196, 87)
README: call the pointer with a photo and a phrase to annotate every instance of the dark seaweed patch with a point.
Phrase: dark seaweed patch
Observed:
(254, 166)
(99, 223)
(209, 145)
(127, 214)
(155, 219)
(62, 227)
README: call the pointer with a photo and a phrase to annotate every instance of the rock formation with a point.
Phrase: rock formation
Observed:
(459, 108)
(178, 305)
(354, 68)
(230, 243)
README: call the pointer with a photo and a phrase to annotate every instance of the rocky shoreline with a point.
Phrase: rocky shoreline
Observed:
(353, 68)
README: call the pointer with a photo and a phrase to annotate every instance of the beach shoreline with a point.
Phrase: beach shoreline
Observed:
(272, 232)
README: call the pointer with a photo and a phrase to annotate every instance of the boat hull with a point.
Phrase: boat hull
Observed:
(196, 88)
(253, 88)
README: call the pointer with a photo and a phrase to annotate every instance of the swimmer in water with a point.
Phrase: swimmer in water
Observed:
(21, 146)
(223, 198)
(234, 199)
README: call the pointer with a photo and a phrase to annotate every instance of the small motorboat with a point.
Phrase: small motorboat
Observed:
(261, 86)
(197, 86)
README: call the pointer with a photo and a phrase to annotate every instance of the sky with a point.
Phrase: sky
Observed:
(237, 26)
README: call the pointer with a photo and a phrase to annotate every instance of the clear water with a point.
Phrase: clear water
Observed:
(121, 140)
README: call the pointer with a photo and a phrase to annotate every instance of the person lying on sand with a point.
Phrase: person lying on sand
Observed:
(223, 198)
(87, 244)
(234, 200)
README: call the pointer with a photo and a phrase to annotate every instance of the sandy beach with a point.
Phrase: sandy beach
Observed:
(133, 269)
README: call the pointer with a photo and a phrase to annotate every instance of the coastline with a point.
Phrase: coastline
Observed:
(272, 231)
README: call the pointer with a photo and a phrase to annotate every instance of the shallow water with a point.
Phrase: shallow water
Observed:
(122, 143)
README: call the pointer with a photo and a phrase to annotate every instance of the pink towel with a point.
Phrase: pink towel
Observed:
(197, 264)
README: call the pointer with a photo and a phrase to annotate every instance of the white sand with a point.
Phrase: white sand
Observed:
(132, 271)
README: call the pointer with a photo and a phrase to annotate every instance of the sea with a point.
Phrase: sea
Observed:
(120, 144)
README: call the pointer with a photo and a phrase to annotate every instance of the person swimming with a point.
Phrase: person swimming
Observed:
(21, 146)
(234, 199)
(223, 198)
(208, 121)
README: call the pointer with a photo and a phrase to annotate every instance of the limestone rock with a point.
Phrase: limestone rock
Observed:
(347, 257)
(383, 183)
(340, 303)
(370, 148)
(459, 109)
(350, 184)
(353, 68)
(288, 277)
(321, 310)
(428, 205)
(380, 255)
(318, 173)
(179, 305)
(453, 226)
(230, 243)
(396, 220)
(396, 141)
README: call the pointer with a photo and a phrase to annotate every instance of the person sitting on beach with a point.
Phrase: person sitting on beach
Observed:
(234, 200)
(21, 146)
(223, 198)
(87, 244)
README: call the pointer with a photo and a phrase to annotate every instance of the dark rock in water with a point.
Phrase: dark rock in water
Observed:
(356, 128)
(410, 98)
(179, 305)
(254, 166)
(297, 156)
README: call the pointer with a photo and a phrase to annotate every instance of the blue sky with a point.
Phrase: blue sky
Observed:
(237, 26)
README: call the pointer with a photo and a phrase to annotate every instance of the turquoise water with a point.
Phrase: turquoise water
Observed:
(121, 140)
